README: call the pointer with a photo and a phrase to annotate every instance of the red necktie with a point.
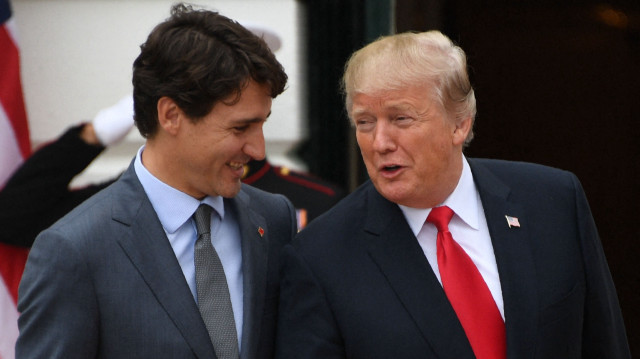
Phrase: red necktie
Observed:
(468, 293)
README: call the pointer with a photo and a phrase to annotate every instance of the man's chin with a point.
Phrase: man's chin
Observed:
(391, 194)
(231, 190)
(397, 194)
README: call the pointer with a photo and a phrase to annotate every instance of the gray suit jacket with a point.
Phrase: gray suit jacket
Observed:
(103, 282)
(356, 283)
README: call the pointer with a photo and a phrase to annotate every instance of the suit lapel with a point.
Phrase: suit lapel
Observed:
(148, 248)
(514, 259)
(254, 270)
(396, 251)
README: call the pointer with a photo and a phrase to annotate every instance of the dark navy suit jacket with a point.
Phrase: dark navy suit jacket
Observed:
(356, 283)
(104, 282)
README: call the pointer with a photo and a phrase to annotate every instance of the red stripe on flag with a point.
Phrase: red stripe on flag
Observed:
(11, 91)
(12, 266)
(12, 259)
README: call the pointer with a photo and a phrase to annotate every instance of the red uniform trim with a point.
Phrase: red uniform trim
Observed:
(303, 182)
(256, 176)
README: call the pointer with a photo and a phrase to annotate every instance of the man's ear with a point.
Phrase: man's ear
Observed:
(169, 115)
(461, 131)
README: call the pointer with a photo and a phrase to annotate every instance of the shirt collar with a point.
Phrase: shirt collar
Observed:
(172, 206)
(463, 201)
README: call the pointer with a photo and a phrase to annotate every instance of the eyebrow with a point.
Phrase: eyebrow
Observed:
(358, 112)
(251, 120)
(400, 106)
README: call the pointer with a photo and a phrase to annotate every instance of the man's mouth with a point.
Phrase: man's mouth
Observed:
(391, 171)
(391, 168)
(236, 165)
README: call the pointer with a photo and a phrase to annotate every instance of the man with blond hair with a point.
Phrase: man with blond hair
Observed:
(440, 255)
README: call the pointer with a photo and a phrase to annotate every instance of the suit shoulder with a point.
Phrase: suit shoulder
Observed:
(80, 227)
(92, 215)
(346, 215)
(257, 194)
(528, 182)
(522, 172)
(264, 202)
(95, 206)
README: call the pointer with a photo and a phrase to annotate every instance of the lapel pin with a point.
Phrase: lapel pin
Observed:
(513, 222)
(261, 231)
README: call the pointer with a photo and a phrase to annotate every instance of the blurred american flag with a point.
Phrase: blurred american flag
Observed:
(14, 148)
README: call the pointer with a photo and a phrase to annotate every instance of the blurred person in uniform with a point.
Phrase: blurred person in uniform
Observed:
(38, 194)
(311, 195)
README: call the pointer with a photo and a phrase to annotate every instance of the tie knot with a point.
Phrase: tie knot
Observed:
(440, 217)
(203, 219)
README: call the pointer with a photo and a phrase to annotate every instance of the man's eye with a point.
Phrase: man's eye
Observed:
(403, 120)
(241, 128)
(363, 120)
(364, 124)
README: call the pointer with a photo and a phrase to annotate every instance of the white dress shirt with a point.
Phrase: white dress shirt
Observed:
(175, 210)
(468, 227)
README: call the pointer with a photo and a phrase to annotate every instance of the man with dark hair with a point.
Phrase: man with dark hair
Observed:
(176, 259)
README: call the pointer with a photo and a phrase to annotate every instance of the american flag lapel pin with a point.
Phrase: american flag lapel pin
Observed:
(513, 221)
(261, 231)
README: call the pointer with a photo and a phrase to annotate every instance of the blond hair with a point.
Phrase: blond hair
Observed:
(413, 59)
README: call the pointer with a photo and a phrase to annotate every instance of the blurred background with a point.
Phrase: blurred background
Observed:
(556, 84)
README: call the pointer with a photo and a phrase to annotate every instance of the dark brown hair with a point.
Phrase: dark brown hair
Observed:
(197, 58)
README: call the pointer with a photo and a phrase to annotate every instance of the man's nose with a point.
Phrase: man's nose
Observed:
(383, 137)
(255, 145)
